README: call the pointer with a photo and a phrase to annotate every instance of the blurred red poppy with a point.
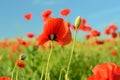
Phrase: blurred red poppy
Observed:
(99, 42)
(88, 36)
(114, 52)
(55, 29)
(5, 78)
(20, 64)
(95, 33)
(87, 28)
(30, 35)
(45, 14)
(83, 21)
(28, 16)
(114, 35)
(14, 47)
(107, 31)
(113, 27)
(4, 44)
(106, 71)
(82, 24)
(65, 12)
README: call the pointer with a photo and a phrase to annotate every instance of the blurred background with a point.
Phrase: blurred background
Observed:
(98, 13)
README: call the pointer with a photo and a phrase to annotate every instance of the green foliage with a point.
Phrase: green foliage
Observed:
(84, 59)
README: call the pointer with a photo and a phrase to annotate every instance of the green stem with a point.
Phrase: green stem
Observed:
(61, 73)
(23, 74)
(13, 72)
(42, 74)
(17, 75)
(70, 59)
(46, 73)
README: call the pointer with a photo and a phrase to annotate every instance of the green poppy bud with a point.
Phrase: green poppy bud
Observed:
(77, 22)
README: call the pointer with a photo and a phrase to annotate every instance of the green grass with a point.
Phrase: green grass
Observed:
(83, 61)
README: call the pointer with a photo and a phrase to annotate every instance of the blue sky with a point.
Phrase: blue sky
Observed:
(98, 13)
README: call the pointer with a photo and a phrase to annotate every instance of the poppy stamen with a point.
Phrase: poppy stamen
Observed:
(52, 37)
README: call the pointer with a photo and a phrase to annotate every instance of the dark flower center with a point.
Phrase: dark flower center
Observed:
(52, 36)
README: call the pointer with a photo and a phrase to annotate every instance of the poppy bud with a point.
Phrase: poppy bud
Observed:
(23, 57)
(77, 22)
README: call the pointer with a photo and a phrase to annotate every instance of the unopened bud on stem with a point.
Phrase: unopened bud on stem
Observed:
(77, 22)
(23, 57)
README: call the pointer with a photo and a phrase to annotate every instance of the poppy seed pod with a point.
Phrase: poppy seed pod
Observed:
(77, 22)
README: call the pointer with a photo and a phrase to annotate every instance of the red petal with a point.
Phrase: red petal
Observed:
(45, 14)
(42, 39)
(66, 39)
(56, 26)
(65, 12)
(28, 16)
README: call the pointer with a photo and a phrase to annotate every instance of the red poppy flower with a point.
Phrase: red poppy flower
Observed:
(4, 44)
(87, 28)
(114, 35)
(113, 27)
(28, 16)
(88, 36)
(46, 14)
(20, 64)
(66, 39)
(99, 42)
(82, 24)
(55, 29)
(65, 12)
(114, 52)
(107, 31)
(83, 21)
(14, 47)
(30, 35)
(95, 33)
(5, 78)
(23, 42)
(106, 71)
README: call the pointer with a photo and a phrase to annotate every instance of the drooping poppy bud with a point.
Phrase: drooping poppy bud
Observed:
(23, 57)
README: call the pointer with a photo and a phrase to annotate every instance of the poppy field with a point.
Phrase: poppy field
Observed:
(57, 53)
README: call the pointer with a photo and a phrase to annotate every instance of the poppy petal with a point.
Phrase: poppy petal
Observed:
(28, 16)
(66, 39)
